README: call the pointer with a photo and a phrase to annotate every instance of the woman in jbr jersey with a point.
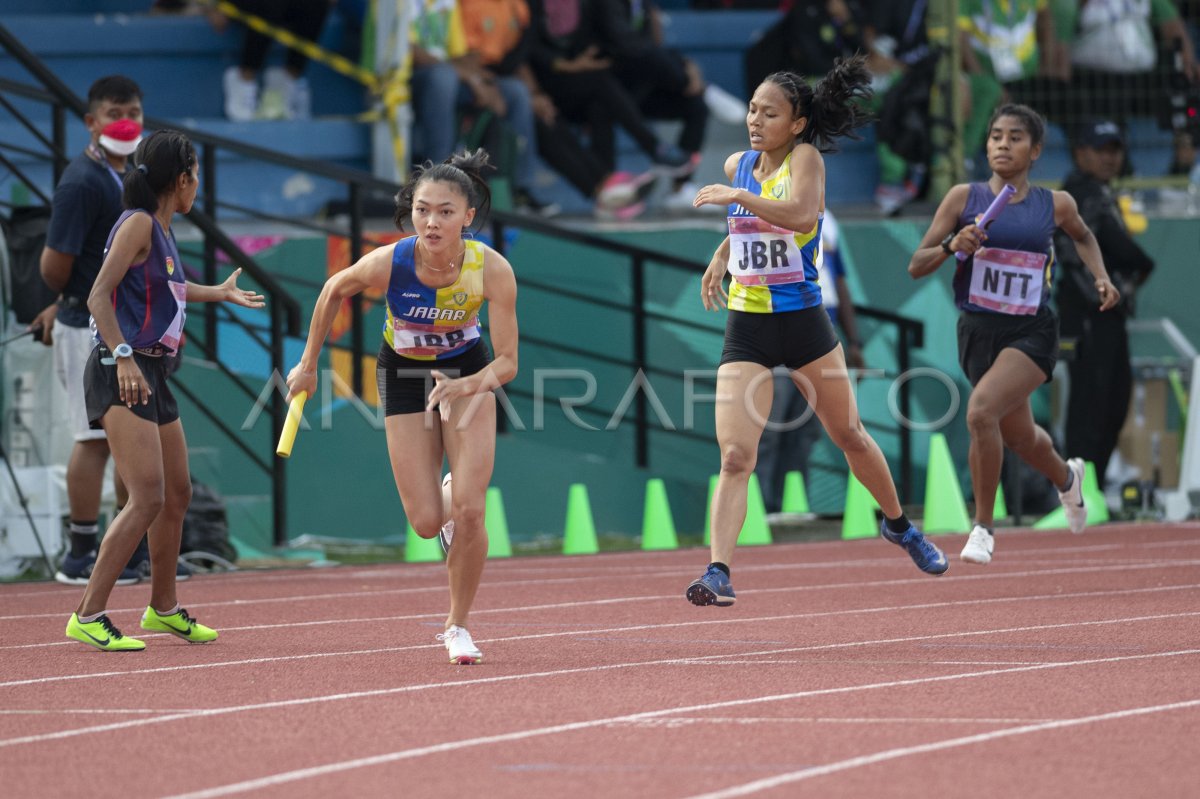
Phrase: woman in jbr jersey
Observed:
(776, 205)
(435, 374)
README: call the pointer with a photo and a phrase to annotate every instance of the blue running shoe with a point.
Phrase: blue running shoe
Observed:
(713, 588)
(928, 557)
(139, 563)
(77, 570)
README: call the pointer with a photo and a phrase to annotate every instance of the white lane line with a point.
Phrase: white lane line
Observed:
(33, 739)
(936, 746)
(827, 661)
(297, 775)
(857, 585)
(592, 632)
(86, 711)
(555, 564)
(590, 603)
(684, 721)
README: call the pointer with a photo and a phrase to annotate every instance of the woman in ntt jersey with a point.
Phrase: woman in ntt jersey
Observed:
(776, 207)
(1007, 334)
(434, 372)
(138, 308)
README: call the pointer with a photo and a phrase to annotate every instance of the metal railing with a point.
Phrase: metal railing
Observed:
(360, 186)
(284, 310)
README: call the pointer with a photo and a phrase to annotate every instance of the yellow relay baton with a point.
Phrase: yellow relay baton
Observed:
(290, 425)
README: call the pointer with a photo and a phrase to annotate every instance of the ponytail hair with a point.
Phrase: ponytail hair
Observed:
(462, 170)
(158, 161)
(834, 108)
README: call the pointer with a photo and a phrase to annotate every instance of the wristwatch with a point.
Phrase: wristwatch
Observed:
(946, 243)
(123, 350)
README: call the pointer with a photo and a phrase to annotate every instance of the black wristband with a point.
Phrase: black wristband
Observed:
(946, 243)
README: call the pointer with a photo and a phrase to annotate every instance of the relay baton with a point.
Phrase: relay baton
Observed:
(291, 425)
(991, 213)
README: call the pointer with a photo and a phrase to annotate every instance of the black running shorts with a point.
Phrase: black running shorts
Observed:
(101, 392)
(405, 383)
(791, 338)
(981, 336)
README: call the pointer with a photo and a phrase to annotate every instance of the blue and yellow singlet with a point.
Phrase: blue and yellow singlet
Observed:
(773, 269)
(428, 324)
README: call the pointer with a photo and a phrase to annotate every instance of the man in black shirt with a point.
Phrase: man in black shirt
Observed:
(87, 202)
(1095, 344)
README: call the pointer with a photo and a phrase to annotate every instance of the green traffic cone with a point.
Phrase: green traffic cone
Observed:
(945, 508)
(658, 527)
(1093, 495)
(712, 490)
(1054, 520)
(421, 550)
(496, 525)
(858, 518)
(579, 537)
(755, 530)
(795, 497)
(1000, 509)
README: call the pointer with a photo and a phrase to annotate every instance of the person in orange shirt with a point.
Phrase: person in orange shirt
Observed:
(451, 74)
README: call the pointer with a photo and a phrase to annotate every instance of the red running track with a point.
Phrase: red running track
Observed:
(1067, 667)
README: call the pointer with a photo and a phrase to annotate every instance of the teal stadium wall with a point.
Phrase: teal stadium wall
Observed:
(340, 481)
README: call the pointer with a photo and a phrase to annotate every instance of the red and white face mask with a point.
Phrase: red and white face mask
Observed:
(121, 137)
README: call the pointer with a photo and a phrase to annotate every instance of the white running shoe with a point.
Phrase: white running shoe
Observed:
(1072, 499)
(462, 649)
(241, 96)
(446, 536)
(979, 546)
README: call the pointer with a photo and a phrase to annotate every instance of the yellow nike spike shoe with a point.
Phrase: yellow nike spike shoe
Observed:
(179, 624)
(102, 634)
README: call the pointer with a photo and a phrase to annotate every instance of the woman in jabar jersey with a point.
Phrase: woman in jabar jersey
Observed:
(435, 374)
(776, 204)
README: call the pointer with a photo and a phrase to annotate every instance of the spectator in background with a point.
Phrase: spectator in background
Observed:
(465, 56)
(500, 33)
(87, 202)
(570, 68)
(1006, 46)
(1097, 344)
(286, 94)
(791, 432)
(1116, 60)
(664, 83)
(806, 40)
(900, 60)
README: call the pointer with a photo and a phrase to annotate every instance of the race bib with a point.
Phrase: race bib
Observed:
(762, 254)
(414, 340)
(170, 339)
(1008, 281)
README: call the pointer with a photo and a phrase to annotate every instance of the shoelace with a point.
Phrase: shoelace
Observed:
(109, 627)
(449, 635)
(187, 619)
(926, 548)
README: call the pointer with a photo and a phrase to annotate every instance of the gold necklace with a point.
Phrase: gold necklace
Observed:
(453, 262)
